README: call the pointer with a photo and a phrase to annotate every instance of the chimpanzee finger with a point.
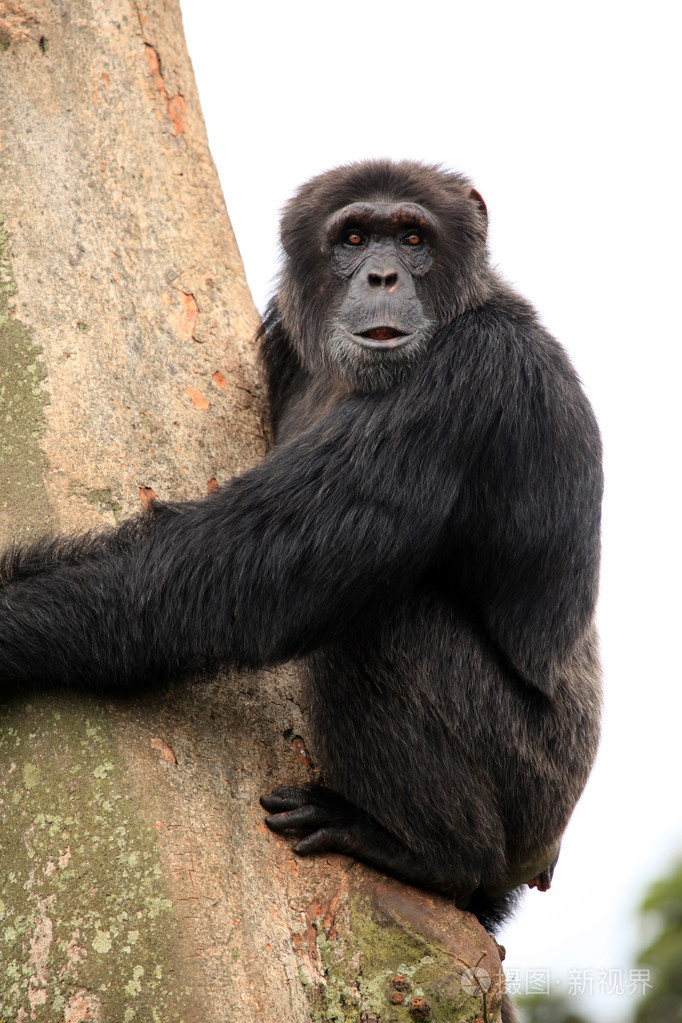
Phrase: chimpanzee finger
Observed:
(286, 797)
(303, 817)
(322, 840)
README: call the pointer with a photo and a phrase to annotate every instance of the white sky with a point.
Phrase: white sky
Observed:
(567, 117)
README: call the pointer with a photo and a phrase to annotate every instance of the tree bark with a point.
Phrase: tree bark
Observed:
(138, 881)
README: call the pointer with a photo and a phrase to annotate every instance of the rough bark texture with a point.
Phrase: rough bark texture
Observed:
(138, 882)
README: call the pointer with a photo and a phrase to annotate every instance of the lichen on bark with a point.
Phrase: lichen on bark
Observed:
(393, 953)
(84, 908)
(23, 500)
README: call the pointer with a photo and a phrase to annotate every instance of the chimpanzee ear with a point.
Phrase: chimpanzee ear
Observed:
(480, 202)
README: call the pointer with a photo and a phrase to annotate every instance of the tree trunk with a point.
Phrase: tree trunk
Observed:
(138, 881)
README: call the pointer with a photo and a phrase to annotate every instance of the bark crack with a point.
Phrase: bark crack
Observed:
(176, 108)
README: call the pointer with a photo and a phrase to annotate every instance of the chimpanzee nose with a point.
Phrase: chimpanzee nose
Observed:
(386, 280)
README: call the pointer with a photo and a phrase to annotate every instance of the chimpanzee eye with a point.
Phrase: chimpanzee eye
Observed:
(354, 237)
(412, 238)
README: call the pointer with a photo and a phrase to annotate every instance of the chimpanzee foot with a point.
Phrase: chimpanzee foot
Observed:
(543, 880)
(331, 823)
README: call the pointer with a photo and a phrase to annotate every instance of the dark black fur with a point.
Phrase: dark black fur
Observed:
(425, 533)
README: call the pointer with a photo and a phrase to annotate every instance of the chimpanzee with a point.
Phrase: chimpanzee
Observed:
(424, 534)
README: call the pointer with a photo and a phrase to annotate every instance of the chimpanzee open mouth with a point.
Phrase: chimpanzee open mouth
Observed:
(382, 337)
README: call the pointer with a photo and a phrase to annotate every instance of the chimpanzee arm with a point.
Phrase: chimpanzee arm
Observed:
(483, 465)
(277, 561)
